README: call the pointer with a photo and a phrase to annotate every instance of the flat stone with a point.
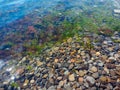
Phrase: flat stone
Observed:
(90, 79)
(71, 77)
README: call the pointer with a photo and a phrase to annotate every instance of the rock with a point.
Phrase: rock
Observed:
(61, 83)
(82, 53)
(80, 79)
(98, 53)
(71, 77)
(71, 66)
(20, 71)
(103, 79)
(82, 73)
(69, 40)
(95, 75)
(90, 79)
(66, 72)
(59, 78)
(116, 56)
(52, 88)
(111, 58)
(32, 81)
(45, 76)
(39, 63)
(106, 70)
(94, 69)
(67, 87)
(110, 66)
(56, 60)
(26, 83)
(101, 64)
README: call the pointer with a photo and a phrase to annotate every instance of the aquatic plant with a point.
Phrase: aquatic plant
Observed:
(14, 84)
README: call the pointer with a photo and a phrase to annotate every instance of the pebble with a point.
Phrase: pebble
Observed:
(80, 79)
(32, 81)
(52, 88)
(103, 79)
(94, 69)
(82, 73)
(90, 79)
(98, 53)
(26, 83)
(71, 77)
(95, 75)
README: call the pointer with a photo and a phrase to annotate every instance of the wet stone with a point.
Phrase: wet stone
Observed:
(90, 79)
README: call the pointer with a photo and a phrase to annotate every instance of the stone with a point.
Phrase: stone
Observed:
(69, 40)
(39, 63)
(101, 64)
(56, 60)
(103, 79)
(95, 75)
(90, 79)
(26, 83)
(98, 53)
(45, 76)
(67, 87)
(94, 69)
(32, 81)
(80, 79)
(110, 66)
(52, 88)
(82, 73)
(20, 71)
(66, 72)
(106, 70)
(71, 77)
(59, 78)
(82, 53)
(61, 83)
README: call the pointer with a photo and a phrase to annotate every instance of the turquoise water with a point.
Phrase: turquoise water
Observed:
(16, 9)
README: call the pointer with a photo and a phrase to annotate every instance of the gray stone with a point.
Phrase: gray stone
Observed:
(52, 88)
(90, 79)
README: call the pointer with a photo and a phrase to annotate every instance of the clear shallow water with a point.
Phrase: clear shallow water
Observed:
(16, 9)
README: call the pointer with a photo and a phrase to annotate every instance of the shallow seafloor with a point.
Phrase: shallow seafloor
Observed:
(83, 61)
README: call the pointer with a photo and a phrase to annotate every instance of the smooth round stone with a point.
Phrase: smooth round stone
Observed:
(90, 79)
(71, 77)
(94, 69)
